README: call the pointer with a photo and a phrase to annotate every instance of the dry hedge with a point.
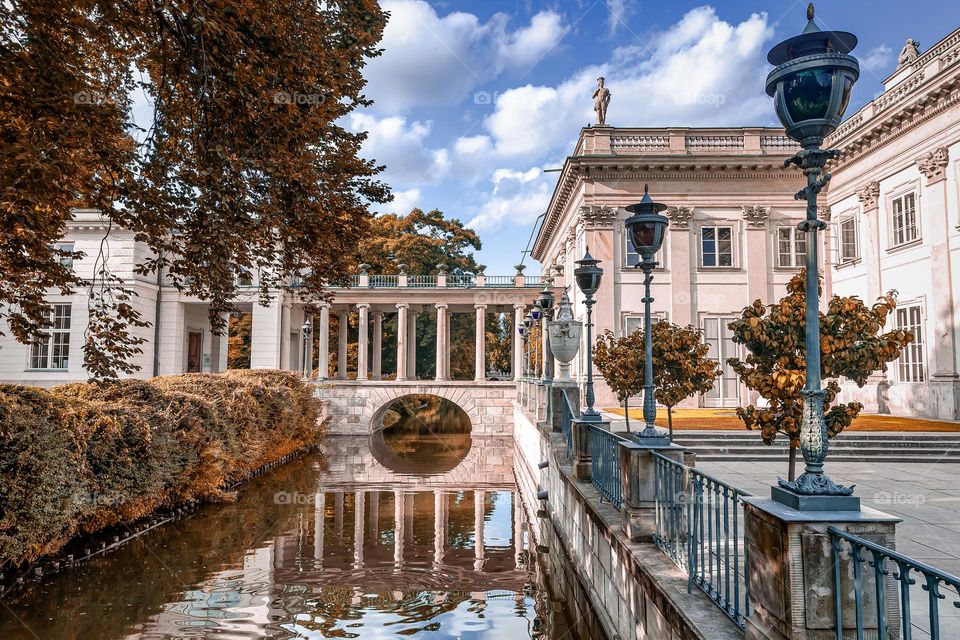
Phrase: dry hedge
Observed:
(81, 457)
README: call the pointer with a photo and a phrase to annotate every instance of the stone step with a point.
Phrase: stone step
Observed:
(834, 444)
(841, 457)
(865, 453)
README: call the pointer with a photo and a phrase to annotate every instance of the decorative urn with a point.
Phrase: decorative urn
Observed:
(564, 338)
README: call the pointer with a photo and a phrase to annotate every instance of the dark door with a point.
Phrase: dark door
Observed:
(194, 351)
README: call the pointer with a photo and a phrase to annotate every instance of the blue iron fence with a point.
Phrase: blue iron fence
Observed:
(421, 281)
(886, 562)
(605, 463)
(699, 525)
(385, 281)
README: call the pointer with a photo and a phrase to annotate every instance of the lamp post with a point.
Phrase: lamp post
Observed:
(306, 365)
(527, 325)
(646, 227)
(588, 276)
(811, 87)
(545, 302)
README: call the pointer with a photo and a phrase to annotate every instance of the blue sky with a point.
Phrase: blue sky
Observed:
(475, 98)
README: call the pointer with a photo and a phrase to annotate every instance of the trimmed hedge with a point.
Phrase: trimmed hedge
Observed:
(81, 457)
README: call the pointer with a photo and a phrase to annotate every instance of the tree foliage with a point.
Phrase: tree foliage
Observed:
(242, 166)
(421, 241)
(681, 366)
(853, 345)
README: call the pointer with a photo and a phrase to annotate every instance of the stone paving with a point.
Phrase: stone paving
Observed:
(926, 496)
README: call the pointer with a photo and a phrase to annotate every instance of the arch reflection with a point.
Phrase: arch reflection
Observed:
(421, 435)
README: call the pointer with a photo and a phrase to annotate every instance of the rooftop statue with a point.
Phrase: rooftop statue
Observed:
(601, 99)
(910, 52)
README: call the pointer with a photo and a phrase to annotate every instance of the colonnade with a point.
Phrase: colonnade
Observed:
(370, 360)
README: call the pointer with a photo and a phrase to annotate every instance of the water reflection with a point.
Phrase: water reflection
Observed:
(313, 552)
(422, 434)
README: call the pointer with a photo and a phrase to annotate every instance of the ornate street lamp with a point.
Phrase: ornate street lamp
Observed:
(527, 326)
(811, 87)
(545, 302)
(306, 365)
(522, 330)
(588, 276)
(646, 227)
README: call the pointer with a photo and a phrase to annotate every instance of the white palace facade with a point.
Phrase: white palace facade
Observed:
(893, 208)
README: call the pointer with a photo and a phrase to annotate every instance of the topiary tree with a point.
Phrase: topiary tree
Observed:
(681, 367)
(852, 345)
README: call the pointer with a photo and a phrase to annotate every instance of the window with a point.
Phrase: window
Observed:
(716, 246)
(791, 247)
(848, 241)
(633, 258)
(904, 223)
(911, 363)
(66, 257)
(52, 351)
(635, 323)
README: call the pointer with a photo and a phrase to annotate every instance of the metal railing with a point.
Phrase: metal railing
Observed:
(533, 281)
(461, 281)
(385, 281)
(421, 281)
(354, 281)
(605, 463)
(699, 525)
(887, 562)
(499, 281)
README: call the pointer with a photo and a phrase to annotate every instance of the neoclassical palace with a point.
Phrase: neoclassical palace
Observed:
(893, 208)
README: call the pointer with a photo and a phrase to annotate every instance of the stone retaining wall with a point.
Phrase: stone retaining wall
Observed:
(615, 588)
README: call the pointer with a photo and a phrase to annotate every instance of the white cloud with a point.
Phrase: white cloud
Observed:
(399, 145)
(878, 61)
(619, 11)
(403, 202)
(518, 197)
(430, 59)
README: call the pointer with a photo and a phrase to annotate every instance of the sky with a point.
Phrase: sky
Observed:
(475, 100)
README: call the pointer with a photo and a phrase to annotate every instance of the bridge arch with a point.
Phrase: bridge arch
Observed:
(356, 408)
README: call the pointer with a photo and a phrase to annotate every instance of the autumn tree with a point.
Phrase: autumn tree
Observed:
(238, 341)
(853, 345)
(242, 164)
(681, 366)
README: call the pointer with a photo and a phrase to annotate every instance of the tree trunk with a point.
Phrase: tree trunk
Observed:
(792, 467)
(626, 412)
(670, 422)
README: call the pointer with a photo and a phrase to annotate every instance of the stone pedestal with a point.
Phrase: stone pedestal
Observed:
(791, 575)
(557, 402)
(638, 487)
(580, 433)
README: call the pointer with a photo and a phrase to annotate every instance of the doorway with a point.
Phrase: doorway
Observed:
(194, 352)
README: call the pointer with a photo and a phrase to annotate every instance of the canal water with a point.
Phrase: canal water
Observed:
(416, 534)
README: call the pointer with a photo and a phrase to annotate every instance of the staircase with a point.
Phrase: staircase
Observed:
(853, 446)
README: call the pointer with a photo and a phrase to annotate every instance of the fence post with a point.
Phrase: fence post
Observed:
(557, 402)
(580, 432)
(638, 487)
(790, 571)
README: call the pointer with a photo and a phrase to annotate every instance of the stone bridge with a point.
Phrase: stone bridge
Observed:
(357, 408)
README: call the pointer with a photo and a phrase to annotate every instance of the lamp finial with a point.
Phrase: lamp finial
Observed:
(810, 11)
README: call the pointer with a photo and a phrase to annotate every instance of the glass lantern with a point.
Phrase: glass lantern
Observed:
(646, 226)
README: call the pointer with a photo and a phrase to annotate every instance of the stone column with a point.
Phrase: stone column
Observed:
(358, 527)
(323, 357)
(442, 373)
(342, 345)
(869, 197)
(638, 486)
(319, 506)
(398, 528)
(373, 524)
(377, 344)
(479, 502)
(517, 531)
(266, 335)
(481, 339)
(755, 257)
(518, 311)
(363, 348)
(682, 307)
(412, 345)
(823, 212)
(439, 526)
(402, 340)
(790, 577)
(285, 336)
(944, 382)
